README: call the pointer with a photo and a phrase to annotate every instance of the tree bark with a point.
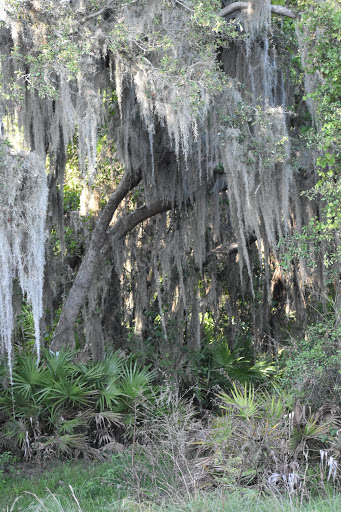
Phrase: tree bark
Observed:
(238, 6)
(64, 335)
(97, 13)
(100, 244)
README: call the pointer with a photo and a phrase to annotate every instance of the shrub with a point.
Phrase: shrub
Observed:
(59, 407)
(312, 366)
(259, 440)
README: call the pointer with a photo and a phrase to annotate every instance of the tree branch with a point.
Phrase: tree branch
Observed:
(130, 221)
(283, 11)
(96, 14)
(101, 243)
(64, 336)
(126, 224)
(238, 6)
(230, 9)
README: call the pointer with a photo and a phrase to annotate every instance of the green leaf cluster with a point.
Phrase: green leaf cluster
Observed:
(61, 407)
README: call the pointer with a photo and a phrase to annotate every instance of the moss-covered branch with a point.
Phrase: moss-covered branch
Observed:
(238, 6)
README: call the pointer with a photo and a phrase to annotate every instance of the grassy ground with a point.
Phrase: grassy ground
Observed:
(94, 484)
(90, 487)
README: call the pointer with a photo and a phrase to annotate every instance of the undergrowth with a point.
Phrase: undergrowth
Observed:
(67, 409)
(158, 449)
(103, 487)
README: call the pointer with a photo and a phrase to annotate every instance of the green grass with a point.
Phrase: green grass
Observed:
(209, 502)
(94, 484)
(106, 487)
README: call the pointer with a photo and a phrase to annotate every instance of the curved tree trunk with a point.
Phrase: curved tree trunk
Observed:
(64, 335)
(100, 244)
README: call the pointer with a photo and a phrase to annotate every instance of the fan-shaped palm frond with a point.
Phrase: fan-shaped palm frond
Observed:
(60, 366)
(17, 430)
(69, 392)
(113, 364)
(109, 395)
(244, 401)
(136, 379)
(70, 426)
(92, 374)
(27, 376)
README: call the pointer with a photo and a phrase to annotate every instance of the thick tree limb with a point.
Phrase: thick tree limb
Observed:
(100, 244)
(97, 13)
(283, 11)
(99, 247)
(238, 6)
(126, 224)
(64, 336)
(227, 11)
(230, 9)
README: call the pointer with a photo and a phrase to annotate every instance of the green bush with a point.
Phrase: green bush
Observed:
(261, 440)
(59, 407)
(312, 366)
(218, 367)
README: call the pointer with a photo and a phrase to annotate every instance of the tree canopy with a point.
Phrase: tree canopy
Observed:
(186, 132)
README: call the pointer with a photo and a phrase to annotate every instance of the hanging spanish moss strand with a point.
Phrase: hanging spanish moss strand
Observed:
(22, 221)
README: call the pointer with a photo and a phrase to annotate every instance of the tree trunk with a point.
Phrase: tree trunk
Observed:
(100, 244)
(64, 335)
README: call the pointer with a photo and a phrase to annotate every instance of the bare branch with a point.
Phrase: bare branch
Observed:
(124, 225)
(230, 9)
(97, 13)
(283, 11)
(130, 221)
(184, 5)
(238, 6)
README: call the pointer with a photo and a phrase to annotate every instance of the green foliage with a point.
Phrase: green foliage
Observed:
(60, 407)
(312, 366)
(258, 434)
(57, 48)
(236, 450)
(320, 24)
(247, 405)
(24, 327)
(104, 487)
(219, 366)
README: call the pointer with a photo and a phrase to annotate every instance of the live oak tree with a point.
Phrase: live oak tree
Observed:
(195, 95)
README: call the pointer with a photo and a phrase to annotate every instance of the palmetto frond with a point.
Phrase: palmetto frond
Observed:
(67, 393)
(136, 380)
(27, 376)
(17, 430)
(109, 395)
(244, 401)
(60, 366)
(113, 365)
(103, 418)
(70, 426)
